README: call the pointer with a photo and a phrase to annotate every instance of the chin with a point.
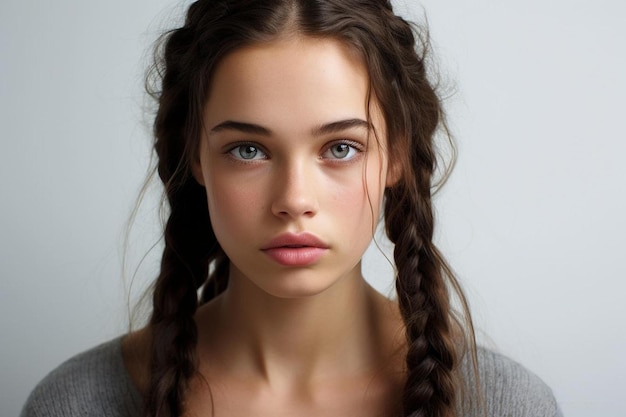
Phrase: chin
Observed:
(296, 286)
(296, 283)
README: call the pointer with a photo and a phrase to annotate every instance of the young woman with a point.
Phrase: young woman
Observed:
(285, 130)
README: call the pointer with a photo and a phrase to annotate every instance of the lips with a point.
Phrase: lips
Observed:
(295, 249)
(295, 240)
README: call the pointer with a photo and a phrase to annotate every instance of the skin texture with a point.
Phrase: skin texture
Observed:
(296, 184)
(310, 339)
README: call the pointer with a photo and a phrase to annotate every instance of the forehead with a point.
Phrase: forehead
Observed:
(288, 82)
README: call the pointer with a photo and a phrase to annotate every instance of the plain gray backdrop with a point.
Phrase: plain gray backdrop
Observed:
(532, 219)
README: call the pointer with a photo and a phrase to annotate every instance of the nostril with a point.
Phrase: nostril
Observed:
(293, 196)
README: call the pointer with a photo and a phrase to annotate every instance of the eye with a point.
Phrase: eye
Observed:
(342, 150)
(247, 152)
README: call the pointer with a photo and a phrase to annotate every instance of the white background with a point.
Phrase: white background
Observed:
(532, 219)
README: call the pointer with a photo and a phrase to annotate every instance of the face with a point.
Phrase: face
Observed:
(293, 172)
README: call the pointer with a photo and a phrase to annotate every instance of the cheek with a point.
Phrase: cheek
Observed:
(350, 200)
(359, 198)
(231, 207)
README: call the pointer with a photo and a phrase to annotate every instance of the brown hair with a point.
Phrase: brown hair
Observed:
(394, 57)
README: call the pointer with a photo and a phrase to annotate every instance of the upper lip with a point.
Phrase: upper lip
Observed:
(295, 240)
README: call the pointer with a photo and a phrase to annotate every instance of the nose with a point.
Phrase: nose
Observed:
(295, 192)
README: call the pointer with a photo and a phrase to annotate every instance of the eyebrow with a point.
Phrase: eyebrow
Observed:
(341, 125)
(324, 129)
(241, 127)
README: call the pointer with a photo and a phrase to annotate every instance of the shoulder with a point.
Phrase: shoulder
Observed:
(93, 383)
(508, 388)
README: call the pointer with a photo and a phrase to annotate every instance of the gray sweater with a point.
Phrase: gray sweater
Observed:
(96, 384)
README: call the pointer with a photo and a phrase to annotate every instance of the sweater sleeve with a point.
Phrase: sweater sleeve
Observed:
(94, 384)
(506, 388)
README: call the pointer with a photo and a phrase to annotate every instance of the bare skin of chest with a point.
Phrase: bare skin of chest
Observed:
(359, 396)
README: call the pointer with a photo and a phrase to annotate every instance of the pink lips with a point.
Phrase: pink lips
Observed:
(295, 249)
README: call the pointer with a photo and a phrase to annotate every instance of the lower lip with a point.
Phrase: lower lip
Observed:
(295, 256)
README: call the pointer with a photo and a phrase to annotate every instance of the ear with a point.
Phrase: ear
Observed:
(394, 172)
(196, 171)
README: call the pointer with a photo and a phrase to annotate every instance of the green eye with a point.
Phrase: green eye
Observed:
(340, 151)
(247, 152)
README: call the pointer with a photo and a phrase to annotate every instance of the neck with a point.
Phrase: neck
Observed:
(284, 340)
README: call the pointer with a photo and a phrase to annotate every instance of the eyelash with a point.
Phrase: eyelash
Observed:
(354, 146)
(230, 151)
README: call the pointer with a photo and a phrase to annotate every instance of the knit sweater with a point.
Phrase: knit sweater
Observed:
(96, 384)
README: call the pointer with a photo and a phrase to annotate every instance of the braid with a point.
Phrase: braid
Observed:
(424, 303)
(432, 358)
(422, 293)
(433, 354)
(183, 269)
(190, 246)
